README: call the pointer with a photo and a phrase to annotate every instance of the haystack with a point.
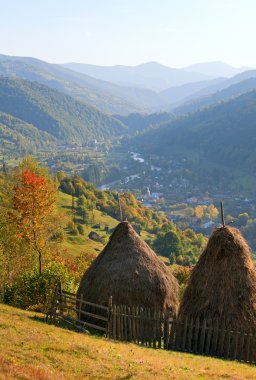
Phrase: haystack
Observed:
(129, 271)
(222, 286)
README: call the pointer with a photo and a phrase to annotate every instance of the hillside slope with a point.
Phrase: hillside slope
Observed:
(21, 137)
(228, 93)
(223, 134)
(34, 350)
(61, 116)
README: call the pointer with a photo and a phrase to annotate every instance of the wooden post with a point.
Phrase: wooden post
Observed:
(109, 322)
(222, 214)
(80, 306)
(166, 327)
(51, 313)
(114, 322)
(120, 208)
(184, 337)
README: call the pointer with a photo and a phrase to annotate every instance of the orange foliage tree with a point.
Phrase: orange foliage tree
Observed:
(33, 204)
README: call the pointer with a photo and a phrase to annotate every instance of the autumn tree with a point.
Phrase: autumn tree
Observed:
(33, 206)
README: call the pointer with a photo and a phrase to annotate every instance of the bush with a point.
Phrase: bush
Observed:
(80, 229)
(34, 292)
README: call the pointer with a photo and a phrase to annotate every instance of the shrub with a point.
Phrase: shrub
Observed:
(34, 292)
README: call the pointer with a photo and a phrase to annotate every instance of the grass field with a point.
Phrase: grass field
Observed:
(31, 349)
(81, 243)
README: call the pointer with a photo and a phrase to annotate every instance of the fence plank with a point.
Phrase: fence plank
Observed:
(137, 321)
(166, 327)
(240, 353)
(184, 335)
(209, 336)
(215, 338)
(202, 338)
(121, 323)
(221, 334)
(125, 323)
(133, 324)
(226, 348)
(142, 325)
(196, 335)
(80, 306)
(190, 334)
(247, 347)
(159, 324)
(110, 318)
(235, 344)
(154, 328)
(150, 329)
(114, 322)
(173, 334)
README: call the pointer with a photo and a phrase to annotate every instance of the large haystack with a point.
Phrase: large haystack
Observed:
(129, 271)
(223, 283)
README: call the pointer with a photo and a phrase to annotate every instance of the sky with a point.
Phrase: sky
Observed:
(176, 33)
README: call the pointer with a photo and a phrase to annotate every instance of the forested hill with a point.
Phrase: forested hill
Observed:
(61, 116)
(137, 122)
(223, 134)
(18, 136)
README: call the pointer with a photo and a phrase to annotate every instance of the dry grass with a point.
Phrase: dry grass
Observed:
(30, 349)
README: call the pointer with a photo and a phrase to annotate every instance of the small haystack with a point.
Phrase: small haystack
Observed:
(129, 271)
(222, 286)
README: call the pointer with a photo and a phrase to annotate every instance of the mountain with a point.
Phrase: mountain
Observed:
(219, 96)
(61, 116)
(215, 69)
(222, 135)
(105, 96)
(151, 75)
(176, 95)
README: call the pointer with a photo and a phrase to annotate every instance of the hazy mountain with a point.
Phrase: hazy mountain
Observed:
(61, 116)
(215, 69)
(151, 75)
(219, 96)
(175, 95)
(222, 135)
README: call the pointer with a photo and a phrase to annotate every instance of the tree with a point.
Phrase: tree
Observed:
(33, 206)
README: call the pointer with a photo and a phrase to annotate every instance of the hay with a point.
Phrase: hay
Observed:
(129, 271)
(223, 283)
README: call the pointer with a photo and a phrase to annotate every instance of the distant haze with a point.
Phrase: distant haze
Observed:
(173, 33)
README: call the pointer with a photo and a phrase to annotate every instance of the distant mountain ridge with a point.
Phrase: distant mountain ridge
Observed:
(217, 68)
(151, 75)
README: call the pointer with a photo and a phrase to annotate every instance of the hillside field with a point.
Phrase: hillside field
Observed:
(31, 349)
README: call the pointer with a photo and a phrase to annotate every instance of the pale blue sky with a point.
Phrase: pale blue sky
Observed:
(108, 32)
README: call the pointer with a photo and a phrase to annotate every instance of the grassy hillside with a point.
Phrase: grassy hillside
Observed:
(63, 117)
(82, 243)
(31, 349)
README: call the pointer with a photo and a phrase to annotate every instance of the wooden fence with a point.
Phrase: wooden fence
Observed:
(153, 329)
(208, 338)
(78, 312)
